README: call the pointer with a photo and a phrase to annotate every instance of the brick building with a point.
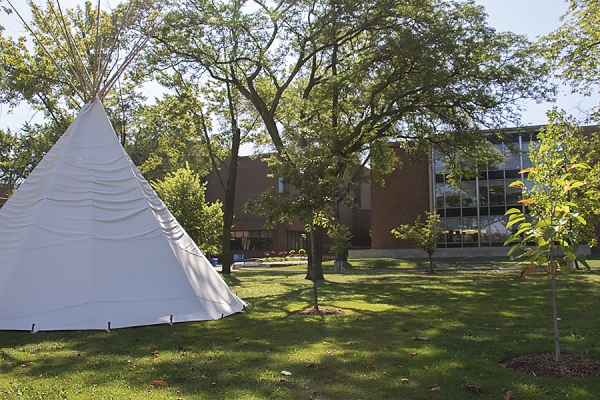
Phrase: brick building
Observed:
(249, 234)
(3, 195)
(473, 218)
(405, 196)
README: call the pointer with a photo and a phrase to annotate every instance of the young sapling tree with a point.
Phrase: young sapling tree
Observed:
(562, 201)
(424, 234)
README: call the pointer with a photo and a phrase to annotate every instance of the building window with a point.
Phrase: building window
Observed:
(484, 198)
(513, 159)
(439, 195)
(469, 194)
(496, 192)
(470, 231)
(452, 196)
(513, 195)
(296, 240)
(452, 230)
(252, 240)
(526, 160)
(474, 215)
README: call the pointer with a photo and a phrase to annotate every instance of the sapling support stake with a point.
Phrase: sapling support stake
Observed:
(313, 266)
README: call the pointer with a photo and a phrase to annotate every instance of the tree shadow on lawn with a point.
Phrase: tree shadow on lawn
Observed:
(484, 305)
(422, 264)
(231, 280)
(471, 323)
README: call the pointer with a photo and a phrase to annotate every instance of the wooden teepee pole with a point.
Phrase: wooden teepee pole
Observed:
(78, 92)
(98, 78)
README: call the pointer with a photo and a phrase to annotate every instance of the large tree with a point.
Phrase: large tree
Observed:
(235, 125)
(334, 82)
(202, 122)
(226, 110)
(573, 50)
(168, 134)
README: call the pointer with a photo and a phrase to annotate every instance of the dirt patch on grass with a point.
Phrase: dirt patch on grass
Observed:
(571, 365)
(321, 311)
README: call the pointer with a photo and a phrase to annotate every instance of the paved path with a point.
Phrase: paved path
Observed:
(408, 271)
(394, 271)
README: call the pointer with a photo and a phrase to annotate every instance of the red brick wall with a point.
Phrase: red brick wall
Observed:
(252, 180)
(404, 197)
(3, 194)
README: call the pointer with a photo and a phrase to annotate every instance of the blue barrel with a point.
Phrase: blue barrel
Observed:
(214, 261)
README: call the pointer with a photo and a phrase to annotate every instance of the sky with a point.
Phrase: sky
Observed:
(536, 18)
(529, 17)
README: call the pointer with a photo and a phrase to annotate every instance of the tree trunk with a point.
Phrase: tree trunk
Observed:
(341, 255)
(228, 207)
(229, 201)
(315, 259)
(555, 311)
(430, 263)
(312, 266)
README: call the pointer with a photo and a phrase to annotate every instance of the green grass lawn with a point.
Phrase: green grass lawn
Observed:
(394, 264)
(471, 322)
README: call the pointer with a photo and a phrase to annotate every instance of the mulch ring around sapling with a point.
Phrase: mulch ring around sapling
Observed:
(321, 311)
(543, 365)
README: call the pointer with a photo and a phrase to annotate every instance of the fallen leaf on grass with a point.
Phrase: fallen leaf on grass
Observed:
(420, 338)
(434, 388)
(286, 373)
(508, 395)
(404, 380)
(158, 383)
(474, 389)
(311, 365)
(414, 354)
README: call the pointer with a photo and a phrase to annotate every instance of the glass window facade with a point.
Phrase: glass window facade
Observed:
(473, 215)
(296, 241)
(252, 240)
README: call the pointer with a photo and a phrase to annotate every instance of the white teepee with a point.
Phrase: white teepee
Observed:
(85, 243)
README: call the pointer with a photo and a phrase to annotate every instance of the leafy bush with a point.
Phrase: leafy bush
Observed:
(183, 194)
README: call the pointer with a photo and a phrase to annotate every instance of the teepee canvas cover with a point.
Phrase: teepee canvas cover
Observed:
(85, 243)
